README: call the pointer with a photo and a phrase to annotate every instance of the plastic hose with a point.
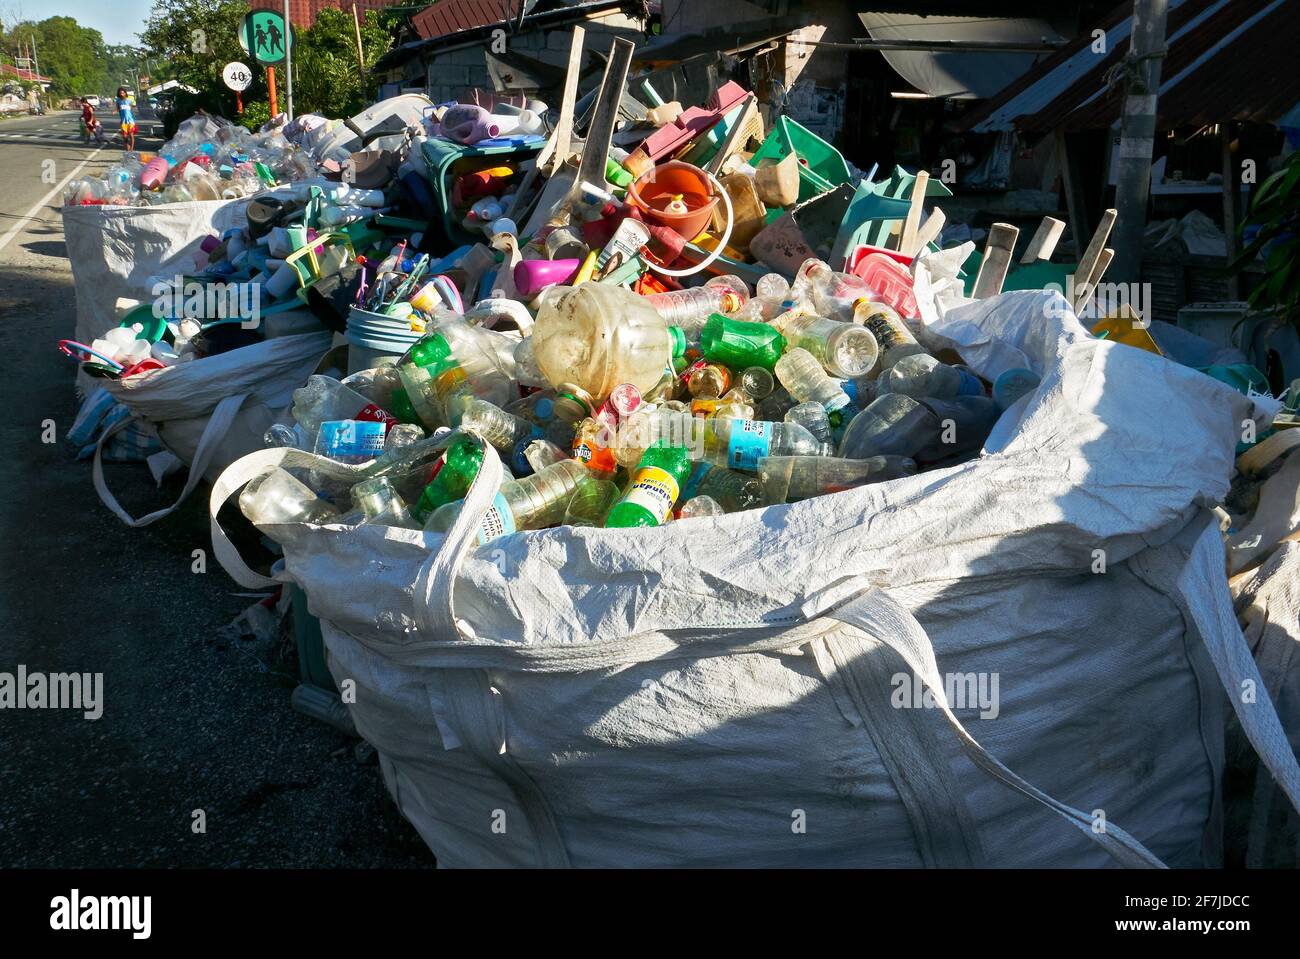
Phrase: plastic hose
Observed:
(722, 242)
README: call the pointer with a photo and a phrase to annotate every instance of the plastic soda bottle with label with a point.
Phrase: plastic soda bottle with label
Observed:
(455, 358)
(844, 349)
(740, 444)
(324, 398)
(801, 374)
(534, 502)
(351, 441)
(740, 343)
(654, 489)
(786, 479)
(892, 335)
(461, 464)
(591, 448)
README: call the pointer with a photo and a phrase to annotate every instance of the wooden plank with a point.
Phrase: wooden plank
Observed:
(1083, 293)
(1075, 202)
(997, 260)
(556, 149)
(595, 150)
(1043, 245)
(732, 141)
(919, 185)
(1088, 260)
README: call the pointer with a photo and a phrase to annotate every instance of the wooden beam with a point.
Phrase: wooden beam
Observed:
(929, 232)
(908, 240)
(1088, 259)
(1043, 245)
(997, 259)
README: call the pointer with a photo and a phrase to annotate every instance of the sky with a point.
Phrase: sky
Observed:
(118, 20)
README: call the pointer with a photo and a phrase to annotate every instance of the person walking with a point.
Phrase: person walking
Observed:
(125, 110)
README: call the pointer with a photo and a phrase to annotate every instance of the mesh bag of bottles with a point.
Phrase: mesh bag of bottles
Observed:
(1019, 660)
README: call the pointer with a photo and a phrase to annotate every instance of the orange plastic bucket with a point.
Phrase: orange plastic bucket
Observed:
(658, 187)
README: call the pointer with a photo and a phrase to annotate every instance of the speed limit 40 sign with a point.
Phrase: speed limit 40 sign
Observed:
(237, 76)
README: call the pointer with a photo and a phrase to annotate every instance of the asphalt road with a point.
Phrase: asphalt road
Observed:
(191, 720)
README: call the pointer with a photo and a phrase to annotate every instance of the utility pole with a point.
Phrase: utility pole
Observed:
(1137, 136)
(288, 57)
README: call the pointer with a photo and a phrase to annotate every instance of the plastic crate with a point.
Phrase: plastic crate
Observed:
(821, 167)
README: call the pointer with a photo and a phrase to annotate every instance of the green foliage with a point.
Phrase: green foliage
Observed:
(195, 39)
(254, 115)
(1275, 211)
(326, 76)
(71, 55)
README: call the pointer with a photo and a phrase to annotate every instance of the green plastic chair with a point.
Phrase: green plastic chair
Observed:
(821, 166)
(440, 154)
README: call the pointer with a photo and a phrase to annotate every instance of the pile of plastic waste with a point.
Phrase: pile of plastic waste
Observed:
(208, 159)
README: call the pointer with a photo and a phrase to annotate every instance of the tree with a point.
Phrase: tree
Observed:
(195, 39)
(326, 76)
(71, 55)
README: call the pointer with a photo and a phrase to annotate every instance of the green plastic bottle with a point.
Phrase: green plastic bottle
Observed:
(433, 352)
(655, 487)
(740, 343)
(463, 459)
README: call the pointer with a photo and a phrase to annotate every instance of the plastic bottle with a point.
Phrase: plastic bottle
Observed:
(689, 309)
(596, 337)
(833, 294)
(801, 374)
(381, 504)
(732, 490)
(892, 335)
(534, 502)
(786, 479)
(350, 441)
(591, 448)
(712, 379)
(843, 349)
(812, 417)
(965, 422)
(460, 466)
(453, 359)
(277, 497)
(542, 453)
(1013, 384)
(739, 343)
(740, 444)
(323, 398)
(591, 503)
(922, 375)
(893, 424)
(654, 489)
(503, 430)
(757, 383)
(700, 506)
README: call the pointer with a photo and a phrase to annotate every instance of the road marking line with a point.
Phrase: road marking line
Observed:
(31, 214)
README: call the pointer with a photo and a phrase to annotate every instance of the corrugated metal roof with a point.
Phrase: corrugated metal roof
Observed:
(453, 16)
(1227, 60)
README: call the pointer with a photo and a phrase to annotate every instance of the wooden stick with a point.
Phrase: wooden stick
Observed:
(732, 141)
(929, 231)
(1088, 261)
(595, 149)
(908, 240)
(1043, 245)
(1099, 268)
(997, 259)
(556, 149)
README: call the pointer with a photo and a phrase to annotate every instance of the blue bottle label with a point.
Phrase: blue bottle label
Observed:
(497, 521)
(354, 440)
(750, 440)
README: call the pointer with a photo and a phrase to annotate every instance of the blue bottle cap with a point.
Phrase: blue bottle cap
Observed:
(970, 383)
(545, 408)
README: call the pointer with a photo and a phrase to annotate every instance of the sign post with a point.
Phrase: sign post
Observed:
(266, 37)
(237, 77)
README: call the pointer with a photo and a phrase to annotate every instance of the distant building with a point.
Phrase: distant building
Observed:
(302, 13)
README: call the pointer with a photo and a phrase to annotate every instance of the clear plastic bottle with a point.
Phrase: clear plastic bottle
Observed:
(689, 309)
(710, 380)
(381, 504)
(323, 398)
(757, 383)
(893, 424)
(843, 349)
(534, 502)
(527, 372)
(807, 381)
(740, 444)
(921, 375)
(596, 337)
(453, 359)
(503, 430)
(787, 479)
(591, 503)
(277, 497)
(811, 416)
(700, 506)
(542, 453)
(732, 490)
(892, 335)
(833, 294)
(965, 423)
